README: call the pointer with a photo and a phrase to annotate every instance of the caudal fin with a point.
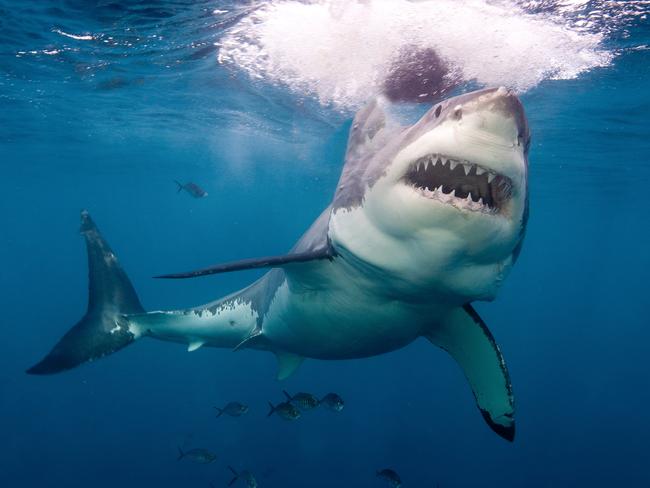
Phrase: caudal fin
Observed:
(181, 454)
(219, 411)
(236, 476)
(103, 329)
(271, 410)
(180, 186)
(289, 397)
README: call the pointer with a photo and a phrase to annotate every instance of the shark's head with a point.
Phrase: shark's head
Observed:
(440, 206)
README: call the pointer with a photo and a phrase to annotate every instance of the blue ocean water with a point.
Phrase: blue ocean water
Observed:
(104, 104)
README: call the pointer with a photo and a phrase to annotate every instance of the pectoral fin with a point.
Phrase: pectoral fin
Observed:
(467, 339)
(325, 252)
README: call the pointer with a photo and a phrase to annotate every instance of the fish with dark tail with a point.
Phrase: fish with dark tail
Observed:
(198, 455)
(285, 410)
(333, 402)
(233, 409)
(192, 188)
(245, 475)
(302, 400)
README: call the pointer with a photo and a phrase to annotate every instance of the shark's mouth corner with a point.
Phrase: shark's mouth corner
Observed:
(463, 184)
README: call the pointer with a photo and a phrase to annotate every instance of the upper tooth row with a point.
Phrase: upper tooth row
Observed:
(467, 167)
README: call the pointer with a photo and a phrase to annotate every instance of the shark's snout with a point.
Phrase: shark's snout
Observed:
(508, 104)
(469, 152)
(495, 110)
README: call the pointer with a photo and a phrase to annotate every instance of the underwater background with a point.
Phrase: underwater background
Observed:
(103, 104)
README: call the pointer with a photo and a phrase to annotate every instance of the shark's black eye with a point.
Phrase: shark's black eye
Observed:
(438, 110)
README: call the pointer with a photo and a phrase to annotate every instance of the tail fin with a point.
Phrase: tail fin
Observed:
(219, 410)
(232, 481)
(289, 397)
(103, 329)
(271, 411)
(180, 186)
(181, 454)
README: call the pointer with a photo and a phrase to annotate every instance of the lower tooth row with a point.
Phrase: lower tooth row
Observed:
(446, 197)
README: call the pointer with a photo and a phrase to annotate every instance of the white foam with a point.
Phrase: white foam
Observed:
(341, 50)
(78, 37)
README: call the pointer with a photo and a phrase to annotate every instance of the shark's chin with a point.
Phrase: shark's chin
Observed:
(463, 184)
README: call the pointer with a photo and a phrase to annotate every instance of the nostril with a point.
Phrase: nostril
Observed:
(438, 110)
(458, 112)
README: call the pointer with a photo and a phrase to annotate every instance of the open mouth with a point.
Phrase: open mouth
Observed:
(460, 183)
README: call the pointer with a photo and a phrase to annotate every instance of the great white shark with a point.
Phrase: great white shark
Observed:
(425, 220)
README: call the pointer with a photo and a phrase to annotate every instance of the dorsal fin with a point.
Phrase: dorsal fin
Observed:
(373, 127)
(367, 126)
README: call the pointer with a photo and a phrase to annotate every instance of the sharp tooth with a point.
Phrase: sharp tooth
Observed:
(468, 199)
(453, 192)
(453, 163)
(491, 177)
(467, 169)
(480, 201)
(438, 160)
(479, 170)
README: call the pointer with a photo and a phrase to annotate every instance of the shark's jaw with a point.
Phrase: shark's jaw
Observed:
(471, 156)
(460, 183)
(447, 215)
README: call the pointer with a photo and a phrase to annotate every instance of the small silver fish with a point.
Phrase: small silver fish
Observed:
(285, 410)
(333, 402)
(244, 475)
(304, 401)
(192, 188)
(198, 455)
(234, 409)
(391, 476)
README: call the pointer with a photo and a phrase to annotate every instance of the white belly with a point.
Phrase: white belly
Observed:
(347, 318)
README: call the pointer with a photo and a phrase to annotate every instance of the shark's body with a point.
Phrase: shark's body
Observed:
(396, 256)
